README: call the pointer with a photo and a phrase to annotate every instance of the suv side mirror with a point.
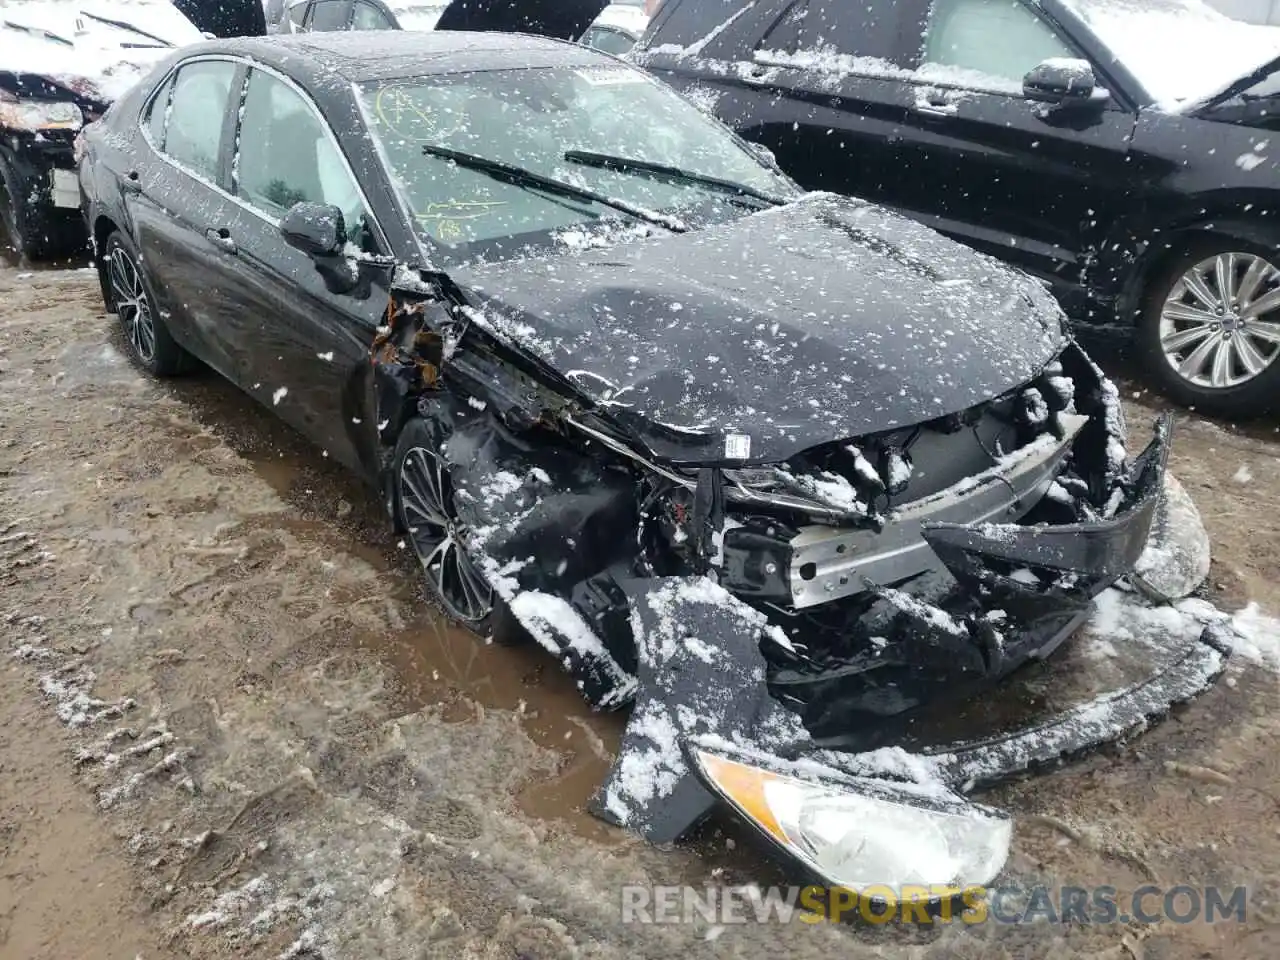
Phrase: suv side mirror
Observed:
(1060, 80)
(320, 231)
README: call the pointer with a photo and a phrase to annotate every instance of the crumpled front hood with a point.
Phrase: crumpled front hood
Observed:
(824, 319)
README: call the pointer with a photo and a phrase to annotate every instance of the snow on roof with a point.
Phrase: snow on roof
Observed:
(108, 44)
(624, 16)
(1180, 50)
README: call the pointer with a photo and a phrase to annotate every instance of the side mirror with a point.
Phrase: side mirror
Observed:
(320, 231)
(1060, 80)
(317, 229)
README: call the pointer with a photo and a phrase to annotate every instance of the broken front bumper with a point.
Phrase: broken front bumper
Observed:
(715, 717)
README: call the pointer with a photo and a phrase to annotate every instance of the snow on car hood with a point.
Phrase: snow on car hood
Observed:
(823, 319)
(1180, 50)
(62, 40)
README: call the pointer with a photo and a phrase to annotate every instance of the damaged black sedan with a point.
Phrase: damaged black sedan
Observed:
(778, 470)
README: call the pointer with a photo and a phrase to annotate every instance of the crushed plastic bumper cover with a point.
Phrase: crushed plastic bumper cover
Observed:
(708, 694)
(702, 665)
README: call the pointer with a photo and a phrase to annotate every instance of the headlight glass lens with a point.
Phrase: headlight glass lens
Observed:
(858, 840)
(33, 115)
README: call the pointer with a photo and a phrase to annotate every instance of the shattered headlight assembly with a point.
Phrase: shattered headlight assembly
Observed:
(865, 841)
(33, 116)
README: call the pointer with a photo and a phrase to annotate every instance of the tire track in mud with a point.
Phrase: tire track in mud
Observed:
(300, 760)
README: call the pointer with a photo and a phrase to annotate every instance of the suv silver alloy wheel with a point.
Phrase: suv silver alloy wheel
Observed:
(1220, 324)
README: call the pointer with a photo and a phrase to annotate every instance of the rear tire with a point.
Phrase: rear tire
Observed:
(129, 296)
(1215, 349)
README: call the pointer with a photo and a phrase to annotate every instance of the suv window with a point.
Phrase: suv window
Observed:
(290, 157)
(687, 22)
(831, 28)
(197, 114)
(369, 17)
(328, 15)
(987, 44)
(297, 13)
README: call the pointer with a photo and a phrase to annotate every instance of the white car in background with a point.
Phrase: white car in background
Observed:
(62, 63)
(619, 26)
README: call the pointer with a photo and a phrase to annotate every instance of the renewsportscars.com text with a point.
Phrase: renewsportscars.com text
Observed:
(929, 905)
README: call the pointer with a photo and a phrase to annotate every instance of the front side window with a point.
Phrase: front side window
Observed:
(285, 155)
(297, 13)
(532, 118)
(197, 114)
(369, 17)
(987, 44)
(330, 15)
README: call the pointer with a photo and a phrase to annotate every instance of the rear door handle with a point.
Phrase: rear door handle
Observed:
(221, 238)
(131, 183)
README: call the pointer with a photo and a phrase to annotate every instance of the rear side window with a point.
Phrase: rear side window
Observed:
(827, 27)
(193, 136)
(158, 113)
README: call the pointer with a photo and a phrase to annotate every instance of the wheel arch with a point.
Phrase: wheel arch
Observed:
(1252, 216)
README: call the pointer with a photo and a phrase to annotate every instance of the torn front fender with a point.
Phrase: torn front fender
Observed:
(701, 673)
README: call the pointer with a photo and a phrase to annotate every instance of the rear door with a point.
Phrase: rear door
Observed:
(310, 356)
(1029, 182)
(178, 204)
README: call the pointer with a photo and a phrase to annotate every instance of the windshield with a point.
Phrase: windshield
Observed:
(531, 119)
(1180, 50)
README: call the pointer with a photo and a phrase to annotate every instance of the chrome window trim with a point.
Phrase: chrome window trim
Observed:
(252, 65)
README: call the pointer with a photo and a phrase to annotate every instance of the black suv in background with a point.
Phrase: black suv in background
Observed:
(1125, 152)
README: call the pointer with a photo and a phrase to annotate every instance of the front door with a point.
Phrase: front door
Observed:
(1031, 183)
(310, 356)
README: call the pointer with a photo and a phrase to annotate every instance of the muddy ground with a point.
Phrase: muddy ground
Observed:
(230, 727)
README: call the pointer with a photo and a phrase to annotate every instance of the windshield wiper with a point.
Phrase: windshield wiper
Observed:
(123, 25)
(520, 177)
(47, 34)
(665, 172)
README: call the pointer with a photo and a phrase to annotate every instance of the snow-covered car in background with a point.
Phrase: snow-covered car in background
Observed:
(619, 27)
(305, 16)
(784, 471)
(62, 63)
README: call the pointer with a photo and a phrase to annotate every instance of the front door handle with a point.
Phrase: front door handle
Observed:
(221, 238)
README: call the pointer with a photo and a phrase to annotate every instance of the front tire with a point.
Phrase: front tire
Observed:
(128, 295)
(1209, 330)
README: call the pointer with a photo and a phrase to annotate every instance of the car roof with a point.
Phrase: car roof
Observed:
(360, 55)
